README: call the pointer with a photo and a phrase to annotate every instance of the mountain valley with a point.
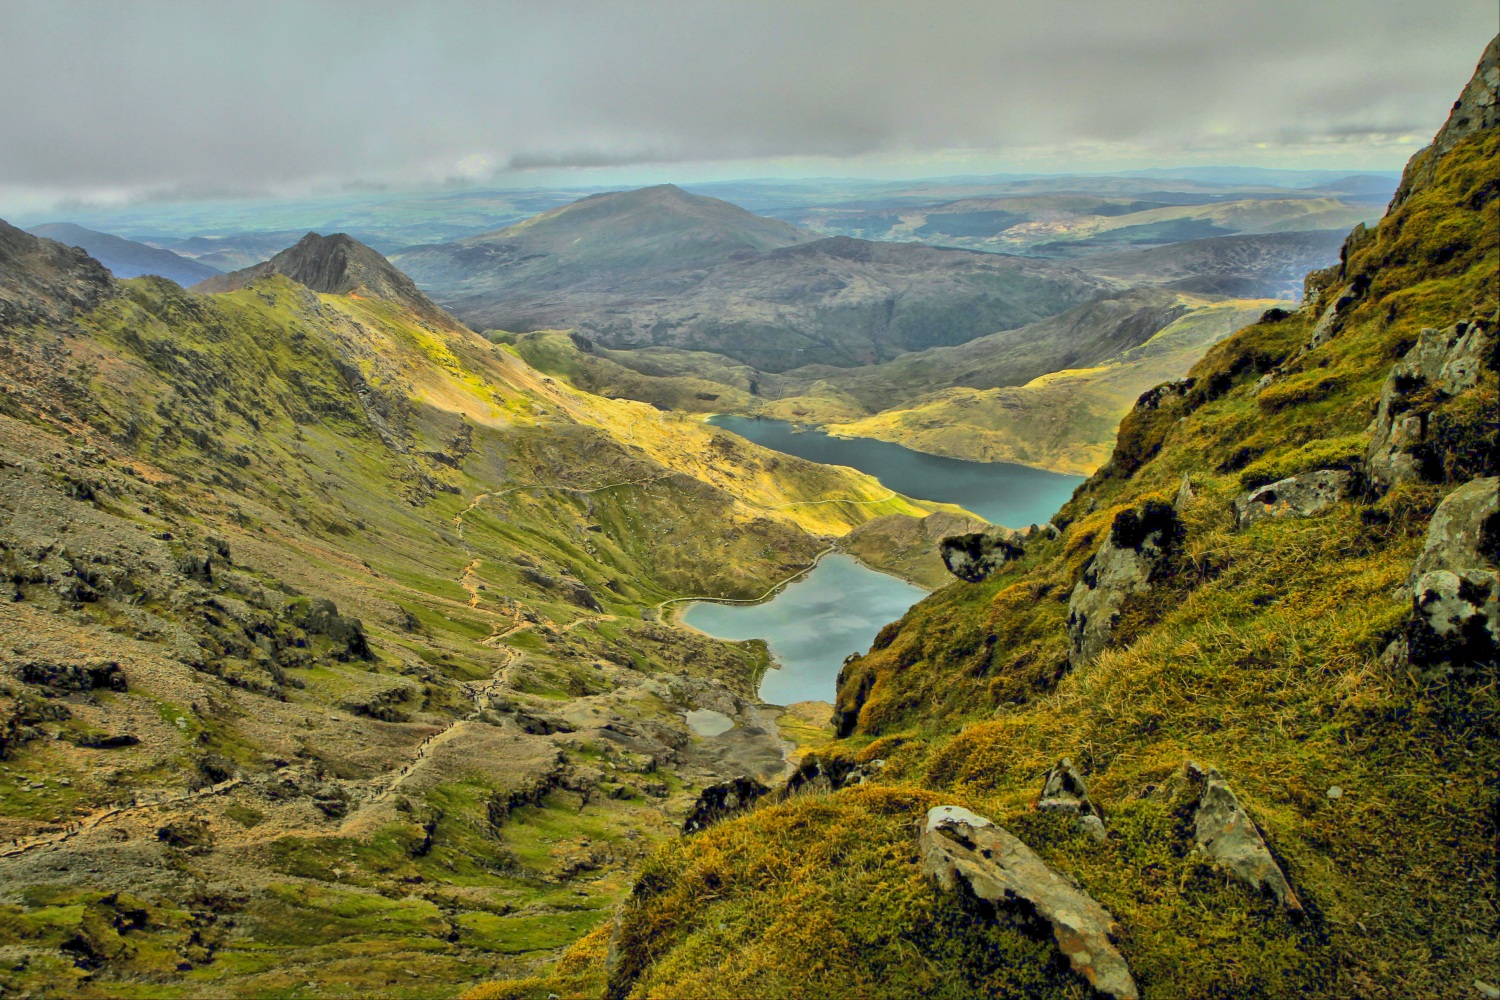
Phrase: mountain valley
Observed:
(374, 594)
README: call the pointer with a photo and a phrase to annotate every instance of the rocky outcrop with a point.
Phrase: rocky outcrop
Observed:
(818, 774)
(1476, 109)
(1455, 622)
(973, 557)
(1298, 496)
(1442, 364)
(959, 848)
(1138, 545)
(73, 677)
(1226, 833)
(1064, 791)
(335, 265)
(1185, 494)
(1331, 320)
(721, 800)
(42, 281)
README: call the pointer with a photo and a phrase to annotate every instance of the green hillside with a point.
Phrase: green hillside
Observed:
(333, 649)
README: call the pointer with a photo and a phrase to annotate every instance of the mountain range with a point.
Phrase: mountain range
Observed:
(662, 267)
(126, 258)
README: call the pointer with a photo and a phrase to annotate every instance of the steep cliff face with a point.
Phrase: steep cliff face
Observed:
(1312, 623)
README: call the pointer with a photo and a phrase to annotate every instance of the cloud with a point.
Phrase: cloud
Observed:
(162, 97)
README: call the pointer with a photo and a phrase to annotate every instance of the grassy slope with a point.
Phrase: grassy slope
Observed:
(233, 416)
(1258, 656)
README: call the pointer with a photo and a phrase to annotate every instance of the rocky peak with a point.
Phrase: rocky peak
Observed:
(1477, 109)
(335, 265)
(42, 280)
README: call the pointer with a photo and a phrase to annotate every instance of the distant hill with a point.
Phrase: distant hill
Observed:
(126, 258)
(661, 267)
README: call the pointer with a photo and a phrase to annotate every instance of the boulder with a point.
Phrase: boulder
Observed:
(1455, 591)
(974, 557)
(1227, 834)
(1064, 791)
(1139, 543)
(724, 799)
(959, 847)
(1442, 364)
(1299, 496)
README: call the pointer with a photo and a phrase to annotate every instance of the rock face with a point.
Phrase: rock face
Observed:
(1139, 543)
(958, 846)
(1227, 834)
(1064, 791)
(1442, 364)
(1455, 623)
(724, 799)
(1299, 496)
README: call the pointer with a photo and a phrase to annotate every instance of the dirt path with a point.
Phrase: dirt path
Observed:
(110, 813)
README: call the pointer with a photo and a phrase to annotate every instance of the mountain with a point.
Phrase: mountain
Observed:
(332, 628)
(1231, 729)
(44, 281)
(126, 258)
(663, 267)
(333, 265)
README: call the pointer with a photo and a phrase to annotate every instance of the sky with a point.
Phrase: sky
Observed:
(111, 102)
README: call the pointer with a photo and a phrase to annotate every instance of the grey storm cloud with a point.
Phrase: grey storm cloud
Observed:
(254, 95)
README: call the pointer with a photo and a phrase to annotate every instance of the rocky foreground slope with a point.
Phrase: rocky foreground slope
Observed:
(1231, 731)
(331, 655)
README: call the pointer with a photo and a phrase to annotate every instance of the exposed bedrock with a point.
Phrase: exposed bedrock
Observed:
(961, 848)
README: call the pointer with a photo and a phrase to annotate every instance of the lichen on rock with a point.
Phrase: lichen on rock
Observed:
(959, 847)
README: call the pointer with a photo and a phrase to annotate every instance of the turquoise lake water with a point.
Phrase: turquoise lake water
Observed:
(999, 492)
(812, 624)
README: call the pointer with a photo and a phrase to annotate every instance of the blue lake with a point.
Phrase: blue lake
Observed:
(812, 624)
(999, 492)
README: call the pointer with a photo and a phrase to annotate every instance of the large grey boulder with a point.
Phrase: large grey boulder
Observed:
(1064, 791)
(1298, 496)
(1455, 591)
(974, 556)
(959, 847)
(1442, 364)
(1227, 834)
(1139, 543)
